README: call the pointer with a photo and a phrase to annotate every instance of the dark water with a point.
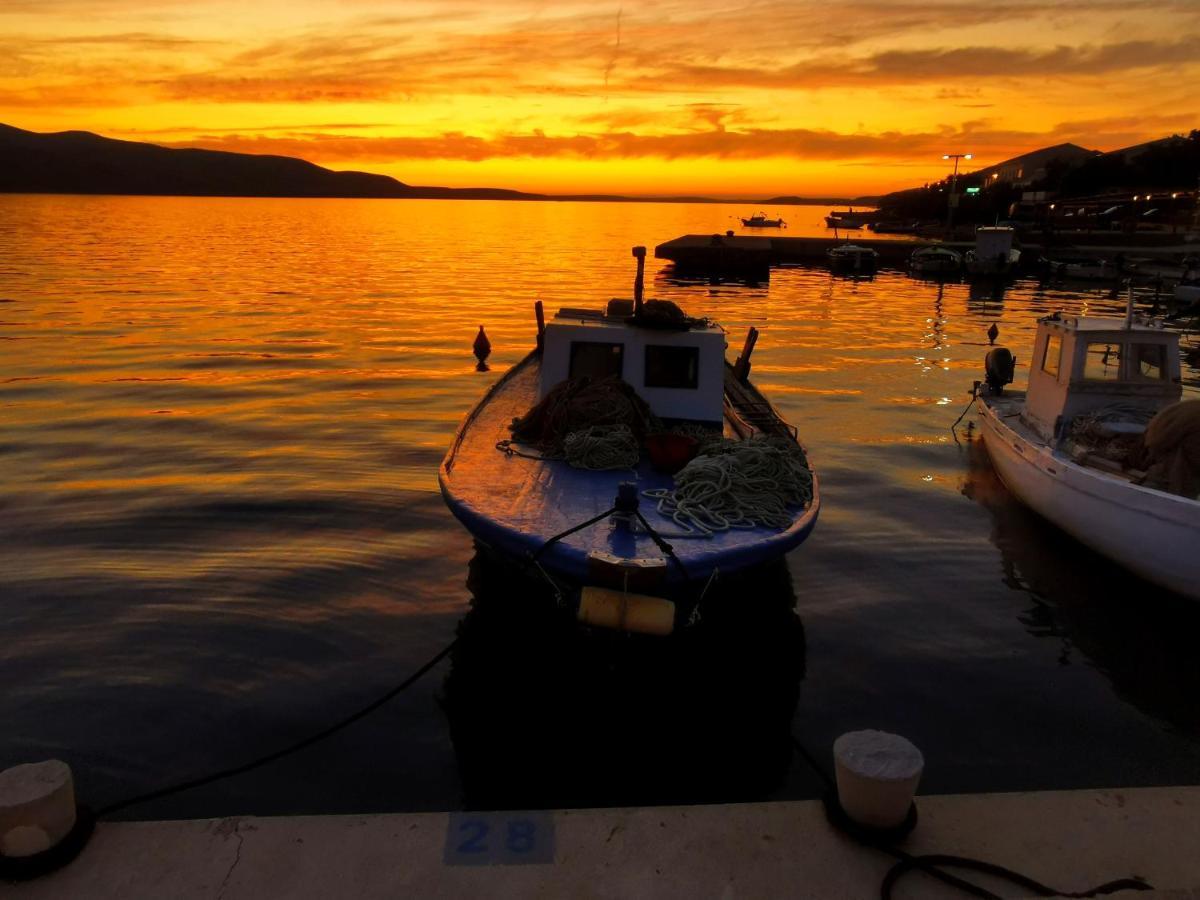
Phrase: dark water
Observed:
(220, 423)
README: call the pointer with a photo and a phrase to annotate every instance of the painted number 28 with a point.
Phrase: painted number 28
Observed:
(475, 839)
(520, 836)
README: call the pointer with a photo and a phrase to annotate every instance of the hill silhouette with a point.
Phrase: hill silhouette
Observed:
(79, 162)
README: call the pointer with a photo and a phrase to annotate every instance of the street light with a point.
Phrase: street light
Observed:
(952, 200)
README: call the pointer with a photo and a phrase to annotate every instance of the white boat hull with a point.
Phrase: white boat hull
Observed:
(1150, 532)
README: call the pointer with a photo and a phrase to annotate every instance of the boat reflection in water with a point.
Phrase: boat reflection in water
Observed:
(545, 713)
(1141, 637)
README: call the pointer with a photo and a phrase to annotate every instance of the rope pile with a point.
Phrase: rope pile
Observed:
(580, 404)
(665, 315)
(602, 447)
(738, 484)
(1089, 434)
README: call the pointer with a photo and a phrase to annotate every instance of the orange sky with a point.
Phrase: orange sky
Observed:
(762, 97)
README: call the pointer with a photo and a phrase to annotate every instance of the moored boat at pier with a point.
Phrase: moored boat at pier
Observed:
(994, 253)
(1100, 443)
(853, 258)
(935, 261)
(592, 453)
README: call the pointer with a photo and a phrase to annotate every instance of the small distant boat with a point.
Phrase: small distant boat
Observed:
(1085, 269)
(760, 220)
(848, 218)
(894, 227)
(1188, 289)
(1067, 446)
(583, 513)
(853, 258)
(994, 253)
(935, 261)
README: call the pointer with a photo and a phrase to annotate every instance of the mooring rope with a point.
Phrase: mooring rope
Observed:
(755, 483)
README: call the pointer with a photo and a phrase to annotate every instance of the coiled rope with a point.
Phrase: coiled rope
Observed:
(755, 483)
(602, 447)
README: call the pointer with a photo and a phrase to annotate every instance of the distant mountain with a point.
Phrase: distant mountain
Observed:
(78, 162)
(809, 201)
(1030, 167)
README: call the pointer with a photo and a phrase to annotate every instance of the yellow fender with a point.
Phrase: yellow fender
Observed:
(606, 608)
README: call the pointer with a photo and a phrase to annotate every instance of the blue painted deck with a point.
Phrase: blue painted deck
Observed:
(514, 505)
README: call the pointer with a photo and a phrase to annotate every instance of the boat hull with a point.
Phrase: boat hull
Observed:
(1152, 533)
(514, 505)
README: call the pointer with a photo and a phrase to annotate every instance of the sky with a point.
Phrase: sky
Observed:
(758, 98)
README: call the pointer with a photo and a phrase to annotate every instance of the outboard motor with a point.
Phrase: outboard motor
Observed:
(1000, 366)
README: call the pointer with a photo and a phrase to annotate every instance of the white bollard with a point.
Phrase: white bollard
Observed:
(37, 807)
(877, 775)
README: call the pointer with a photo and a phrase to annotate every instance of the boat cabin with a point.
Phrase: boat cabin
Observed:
(679, 372)
(1082, 364)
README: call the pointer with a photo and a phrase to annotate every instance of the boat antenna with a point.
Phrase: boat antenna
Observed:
(639, 282)
(1129, 306)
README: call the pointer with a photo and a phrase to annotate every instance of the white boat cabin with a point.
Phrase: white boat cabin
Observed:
(679, 373)
(1081, 365)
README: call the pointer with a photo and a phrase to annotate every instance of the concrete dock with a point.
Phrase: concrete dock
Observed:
(753, 255)
(1071, 840)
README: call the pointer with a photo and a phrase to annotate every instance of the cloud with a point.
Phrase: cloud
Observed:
(129, 39)
(900, 67)
(804, 144)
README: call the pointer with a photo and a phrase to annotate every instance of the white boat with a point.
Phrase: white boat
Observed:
(852, 258)
(646, 391)
(935, 261)
(1063, 446)
(994, 253)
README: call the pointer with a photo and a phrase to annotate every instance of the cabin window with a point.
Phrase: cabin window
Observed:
(1052, 358)
(672, 367)
(1148, 362)
(595, 359)
(1103, 361)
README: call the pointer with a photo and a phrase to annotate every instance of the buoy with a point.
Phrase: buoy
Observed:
(877, 776)
(483, 347)
(993, 333)
(623, 611)
(37, 807)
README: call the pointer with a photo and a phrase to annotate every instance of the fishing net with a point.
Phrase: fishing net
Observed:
(1172, 449)
(583, 405)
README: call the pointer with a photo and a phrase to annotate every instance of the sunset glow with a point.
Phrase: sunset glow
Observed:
(761, 98)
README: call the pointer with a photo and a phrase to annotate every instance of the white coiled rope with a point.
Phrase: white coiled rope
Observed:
(602, 447)
(756, 483)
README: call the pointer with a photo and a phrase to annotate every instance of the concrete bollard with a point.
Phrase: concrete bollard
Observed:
(37, 807)
(877, 775)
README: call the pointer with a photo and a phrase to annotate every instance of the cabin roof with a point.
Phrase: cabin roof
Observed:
(1096, 324)
(1099, 323)
(597, 319)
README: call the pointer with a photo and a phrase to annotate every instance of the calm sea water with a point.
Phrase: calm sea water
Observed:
(220, 424)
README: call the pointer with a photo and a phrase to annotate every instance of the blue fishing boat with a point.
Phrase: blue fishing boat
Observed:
(624, 452)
